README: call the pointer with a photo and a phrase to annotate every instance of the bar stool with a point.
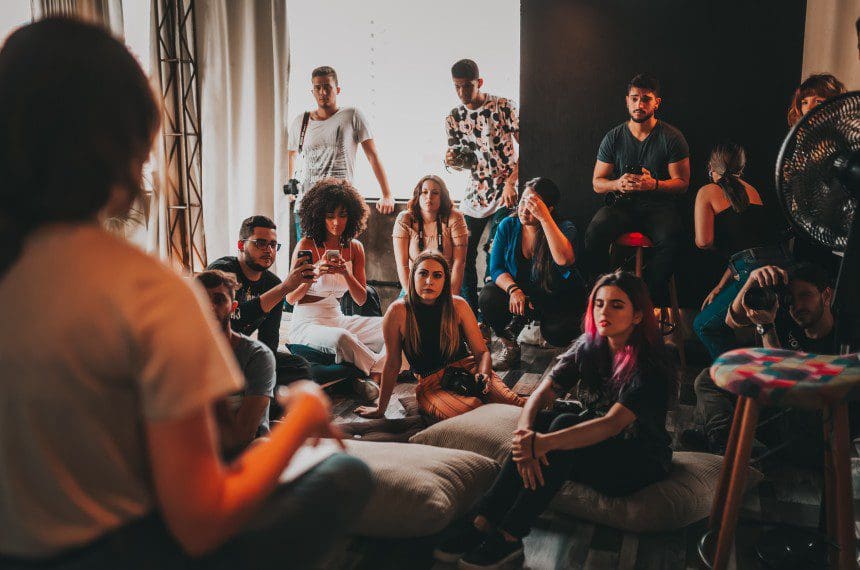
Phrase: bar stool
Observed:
(640, 241)
(776, 377)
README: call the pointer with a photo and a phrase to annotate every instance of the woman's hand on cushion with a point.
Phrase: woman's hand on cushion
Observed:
(370, 412)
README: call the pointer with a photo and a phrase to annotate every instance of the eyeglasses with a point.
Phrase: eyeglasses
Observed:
(264, 243)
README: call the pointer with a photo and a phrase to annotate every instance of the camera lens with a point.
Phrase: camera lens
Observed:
(760, 298)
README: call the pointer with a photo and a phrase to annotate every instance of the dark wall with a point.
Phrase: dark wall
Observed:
(727, 69)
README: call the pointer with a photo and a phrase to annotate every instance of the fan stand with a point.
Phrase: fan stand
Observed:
(787, 546)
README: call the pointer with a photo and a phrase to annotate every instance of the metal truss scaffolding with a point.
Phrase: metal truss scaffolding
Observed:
(177, 72)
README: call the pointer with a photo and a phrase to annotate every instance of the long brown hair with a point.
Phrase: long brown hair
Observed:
(821, 84)
(445, 202)
(542, 267)
(728, 159)
(449, 329)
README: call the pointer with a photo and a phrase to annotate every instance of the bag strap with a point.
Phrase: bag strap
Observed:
(305, 120)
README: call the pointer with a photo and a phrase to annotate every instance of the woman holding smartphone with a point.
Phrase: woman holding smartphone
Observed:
(439, 335)
(332, 214)
(532, 267)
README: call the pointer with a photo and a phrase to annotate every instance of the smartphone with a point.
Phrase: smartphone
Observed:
(633, 169)
(304, 256)
(332, 255)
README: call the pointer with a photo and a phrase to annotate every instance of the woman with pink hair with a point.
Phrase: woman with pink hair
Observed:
(617, 443)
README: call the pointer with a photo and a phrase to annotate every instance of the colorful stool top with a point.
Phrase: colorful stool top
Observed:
(778, 377)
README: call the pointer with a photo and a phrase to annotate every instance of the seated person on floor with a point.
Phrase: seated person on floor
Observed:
(731, 218)
(244, 415)
(439, 335)
(108, 458)
(333, 214)
(643, 166)
(626, 381)
(531, 265)
(261, 293)
(430, 222)
(797, 316)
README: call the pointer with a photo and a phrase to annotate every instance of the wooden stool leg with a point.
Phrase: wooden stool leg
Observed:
(829, 487)
(678, 333)
(728, 464)
(639, 262)
(729, 521)
(839, 479)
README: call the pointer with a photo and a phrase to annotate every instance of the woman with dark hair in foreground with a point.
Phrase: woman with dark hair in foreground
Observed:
(623, 376)
(111, 365)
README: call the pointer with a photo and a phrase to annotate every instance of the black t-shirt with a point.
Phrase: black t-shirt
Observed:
(251, 315)
(663, 146)
(792, 337)
(586, 370)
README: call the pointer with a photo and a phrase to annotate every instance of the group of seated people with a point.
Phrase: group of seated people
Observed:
(141, 446)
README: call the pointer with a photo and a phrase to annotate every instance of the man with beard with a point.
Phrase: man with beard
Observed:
(261, 294)
(642, 166)
(244, 415)
(806, 324)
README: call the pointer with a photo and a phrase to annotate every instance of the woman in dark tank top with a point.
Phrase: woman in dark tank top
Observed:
(731, 218)
(437, 331)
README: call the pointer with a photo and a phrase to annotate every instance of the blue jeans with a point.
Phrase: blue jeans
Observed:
(469, 289)
(710, 325)
(298, 226)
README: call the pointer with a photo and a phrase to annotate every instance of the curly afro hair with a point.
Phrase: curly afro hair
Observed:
(324, 198)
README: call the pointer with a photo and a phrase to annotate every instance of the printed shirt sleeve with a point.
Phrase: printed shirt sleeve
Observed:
(567, 370)
(511, 116)
(606, 152)
(260, 373)
(452, 130)
(185, 363)
(360, 127)
(459, 229)
(293, 133)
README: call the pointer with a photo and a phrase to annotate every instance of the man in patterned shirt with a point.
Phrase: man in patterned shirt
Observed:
(481, 134)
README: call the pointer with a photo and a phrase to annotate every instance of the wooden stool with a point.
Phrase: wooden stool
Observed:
(641, 241)
(776, 377)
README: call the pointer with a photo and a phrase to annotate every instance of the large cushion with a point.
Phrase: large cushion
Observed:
(684, 497)
(486, 430)
(419, 489)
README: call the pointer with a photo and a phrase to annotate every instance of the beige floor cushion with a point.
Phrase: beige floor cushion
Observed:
(419, 489)
(681, 499)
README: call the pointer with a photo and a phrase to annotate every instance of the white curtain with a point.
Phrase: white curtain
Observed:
(105, 12)
(243, 56)
(830, 40)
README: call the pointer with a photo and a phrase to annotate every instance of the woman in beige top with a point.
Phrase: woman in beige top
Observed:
(430, 223)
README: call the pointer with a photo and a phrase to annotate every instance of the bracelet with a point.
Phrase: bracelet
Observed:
(534, 438)
(511, 287)
(656, 184)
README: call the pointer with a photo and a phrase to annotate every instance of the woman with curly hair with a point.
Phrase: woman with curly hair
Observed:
(430, 223)
(814, 90)
(332, 214)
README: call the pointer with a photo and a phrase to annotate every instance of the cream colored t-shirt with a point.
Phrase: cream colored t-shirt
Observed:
(454, 234)
(96, 338)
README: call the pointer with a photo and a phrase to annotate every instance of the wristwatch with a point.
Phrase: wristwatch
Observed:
(762, 329)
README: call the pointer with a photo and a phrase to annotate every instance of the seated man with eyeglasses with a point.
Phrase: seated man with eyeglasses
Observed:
(261, 293)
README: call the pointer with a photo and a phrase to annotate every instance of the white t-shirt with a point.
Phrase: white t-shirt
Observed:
(329, 147)
(96, 339)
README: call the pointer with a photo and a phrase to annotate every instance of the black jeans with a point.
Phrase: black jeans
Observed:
(469, 289)
(559, 314)
(659, 220)
(614, 467)
(295, 528)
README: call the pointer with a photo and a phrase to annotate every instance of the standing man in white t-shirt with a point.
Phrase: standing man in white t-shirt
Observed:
(481, 134)
(327, 140)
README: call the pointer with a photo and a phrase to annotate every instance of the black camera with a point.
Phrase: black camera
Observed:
(764, 298)
(464, 157)
(462, 382)
(292, 187)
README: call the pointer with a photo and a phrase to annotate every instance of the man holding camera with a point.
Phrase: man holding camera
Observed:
(327, 140)
(481, 134)
(789, 310)
(642, 166)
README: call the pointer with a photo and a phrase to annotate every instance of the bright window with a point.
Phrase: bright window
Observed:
(394, 61)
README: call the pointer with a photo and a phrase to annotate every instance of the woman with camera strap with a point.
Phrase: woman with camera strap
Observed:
(430, 223)
(439, 335)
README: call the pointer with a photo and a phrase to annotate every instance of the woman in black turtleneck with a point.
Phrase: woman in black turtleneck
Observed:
(437, 331)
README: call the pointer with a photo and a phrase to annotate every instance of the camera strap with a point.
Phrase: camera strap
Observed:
(438, 234)
(305, 120)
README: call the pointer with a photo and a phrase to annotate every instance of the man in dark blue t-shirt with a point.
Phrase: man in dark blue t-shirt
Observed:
(643, 165)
